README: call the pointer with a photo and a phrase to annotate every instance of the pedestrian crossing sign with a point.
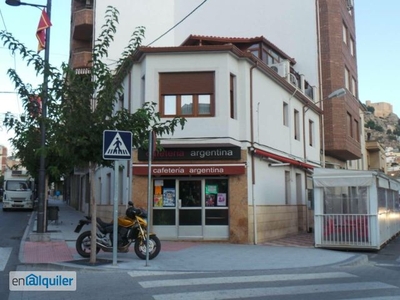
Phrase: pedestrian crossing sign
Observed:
(117, 145)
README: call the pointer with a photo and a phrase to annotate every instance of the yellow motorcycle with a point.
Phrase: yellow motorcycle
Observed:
(131, 229)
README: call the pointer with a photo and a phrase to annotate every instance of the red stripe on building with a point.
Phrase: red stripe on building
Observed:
(283, 159)
(184, 169)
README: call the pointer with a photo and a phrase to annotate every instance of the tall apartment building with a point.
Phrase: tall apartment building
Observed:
(311, 33)
(342, 121)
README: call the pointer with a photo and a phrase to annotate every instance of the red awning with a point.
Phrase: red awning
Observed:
(283, 159)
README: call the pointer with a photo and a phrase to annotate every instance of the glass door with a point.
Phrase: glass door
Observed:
(190, 208)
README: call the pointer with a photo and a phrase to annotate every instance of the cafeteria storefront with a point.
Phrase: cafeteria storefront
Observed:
(193, 201)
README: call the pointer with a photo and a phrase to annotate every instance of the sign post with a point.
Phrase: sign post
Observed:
(117, 145)
(152, 148)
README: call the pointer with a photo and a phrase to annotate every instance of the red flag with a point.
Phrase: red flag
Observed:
(44, 23)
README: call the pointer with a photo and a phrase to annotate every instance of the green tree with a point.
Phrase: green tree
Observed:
(79, 109)
(370, 124)
(371, 109)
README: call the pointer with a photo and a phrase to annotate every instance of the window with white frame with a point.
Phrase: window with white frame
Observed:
(285, 114)
(311, 133)
(344, 33)
(143, 91)
(232, 96)
(296, 125)
(347, 78)
(188, 94)
(353, 86)
(357, 128)
(349, 125)
(352, 46)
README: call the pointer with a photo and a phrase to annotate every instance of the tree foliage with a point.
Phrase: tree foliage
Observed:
(371, 109)
(370, 124)
(80, 107)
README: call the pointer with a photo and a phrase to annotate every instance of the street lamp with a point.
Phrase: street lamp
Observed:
(41, 218)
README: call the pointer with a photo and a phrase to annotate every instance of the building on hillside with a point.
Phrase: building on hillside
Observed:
(382, 109)
(376, 157)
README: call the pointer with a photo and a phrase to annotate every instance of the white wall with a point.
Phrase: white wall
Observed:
(269, 131)
(289, 24)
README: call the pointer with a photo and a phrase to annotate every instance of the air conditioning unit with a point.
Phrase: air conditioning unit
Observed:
(282, 68)
(350, 4)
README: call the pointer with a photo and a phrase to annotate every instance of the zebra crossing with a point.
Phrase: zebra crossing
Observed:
(203, 288)
(5, 253)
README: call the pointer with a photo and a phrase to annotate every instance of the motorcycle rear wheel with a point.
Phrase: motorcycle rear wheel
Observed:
(154, 247)
(83, 244)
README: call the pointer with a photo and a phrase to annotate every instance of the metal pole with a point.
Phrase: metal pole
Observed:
(149, 195)
(41, 216)
(115, 222)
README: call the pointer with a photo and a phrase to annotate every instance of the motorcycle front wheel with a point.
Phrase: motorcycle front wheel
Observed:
(154, 247)
(83, 244)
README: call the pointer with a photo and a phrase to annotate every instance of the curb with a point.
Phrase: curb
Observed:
(28, 229)
(355, 261)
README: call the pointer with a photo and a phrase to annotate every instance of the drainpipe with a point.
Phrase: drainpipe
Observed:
(253, 176)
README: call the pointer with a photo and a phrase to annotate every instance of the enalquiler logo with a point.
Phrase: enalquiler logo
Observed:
(42, 281)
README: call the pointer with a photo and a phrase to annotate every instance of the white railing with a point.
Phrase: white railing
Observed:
(344, 230)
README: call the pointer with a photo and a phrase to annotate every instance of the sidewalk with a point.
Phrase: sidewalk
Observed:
(177, 255)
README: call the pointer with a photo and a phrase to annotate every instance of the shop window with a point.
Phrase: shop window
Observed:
(216, 193)
(164, 217)
(216, 202)
(164, 196)
(164, 193)
(188, 94)
(190, 217)
(217, 217)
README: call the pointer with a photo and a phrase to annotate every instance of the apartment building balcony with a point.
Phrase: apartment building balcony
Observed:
(82, 24)
(342, 128)
(81, 58)
(376, 156)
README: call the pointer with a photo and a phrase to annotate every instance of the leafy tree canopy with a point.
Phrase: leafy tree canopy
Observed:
(79, 107)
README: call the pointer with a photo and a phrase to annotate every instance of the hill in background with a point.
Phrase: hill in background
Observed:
(385, 130)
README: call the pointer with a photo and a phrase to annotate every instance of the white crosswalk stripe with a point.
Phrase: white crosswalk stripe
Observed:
(274, 291)
(243, 279)
(4, 256)
(376, 298)
(191, 288)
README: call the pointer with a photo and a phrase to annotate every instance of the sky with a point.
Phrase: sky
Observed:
(377, 47)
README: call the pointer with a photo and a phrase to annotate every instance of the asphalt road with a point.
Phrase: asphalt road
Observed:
(378, 279)
(12, 227)
(358, 282)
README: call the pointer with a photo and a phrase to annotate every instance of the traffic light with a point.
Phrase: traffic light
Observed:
(35, 106)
